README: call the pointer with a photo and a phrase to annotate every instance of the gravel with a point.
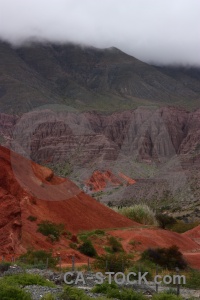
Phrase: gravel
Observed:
(37, 291)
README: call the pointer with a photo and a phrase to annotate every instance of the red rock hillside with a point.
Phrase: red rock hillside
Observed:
(194, 234)
(194, 258)
(101, 180)
(28, 189)
(153, 237)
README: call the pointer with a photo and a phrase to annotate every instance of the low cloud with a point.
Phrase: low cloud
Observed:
(158, 31)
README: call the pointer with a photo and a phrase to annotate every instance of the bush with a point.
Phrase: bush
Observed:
(88, 249)
(67, 234)
(134, 243)
(50, 229)
(71, 293)
(32, 218)
(63, 169)
(73, 246)
(26, 279)
(4, 266)
(165, 221)
(87, 234)
(140, 213)
(166, 296)
(171, 291)
(48, 297)
(8, 292)
(113, 262)
(83, 237)
(141, 268)
(104, 287)
(166, 257)
(115, 245)
(193, 279)
(112, 291)
(126, 294)
(99, 232)
(38, 257)
(182, 227)
(74, 239)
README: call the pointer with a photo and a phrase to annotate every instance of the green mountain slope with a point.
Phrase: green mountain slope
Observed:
(88, 79)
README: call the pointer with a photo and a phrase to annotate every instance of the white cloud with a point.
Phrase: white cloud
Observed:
(163, 31)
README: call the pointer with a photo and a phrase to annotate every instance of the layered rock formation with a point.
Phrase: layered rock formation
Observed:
(83, 137)
(152, 144)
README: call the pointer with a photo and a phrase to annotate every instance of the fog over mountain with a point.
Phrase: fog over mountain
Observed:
(155, 31)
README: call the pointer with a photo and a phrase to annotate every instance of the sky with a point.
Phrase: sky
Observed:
(155, 31)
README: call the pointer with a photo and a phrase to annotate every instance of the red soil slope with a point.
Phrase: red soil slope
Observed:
(27, 189)
(193, 258)
(100, 180)
(193, 233)
(145, 238)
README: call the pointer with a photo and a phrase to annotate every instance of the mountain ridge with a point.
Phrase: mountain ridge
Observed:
(88, 79)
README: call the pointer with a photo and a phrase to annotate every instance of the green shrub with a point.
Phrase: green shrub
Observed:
(134, 243)
(26, 279)
(166, 296)
(143, 268)
(38, 265)
(140, 213)
(4, 266)
(127, 294)
(48, 297)
(87, 234)
(38, 257)
(110, 204)
(8, 292)
(113, 291)
(166, 257)
(108, 249)
(165, 221)
(193, 279)
(67, 234)
(71, 293)
(73, 246)
(99, 232)
(182, 227)
(115, 245)
(88, 249)
(171, 291)
(83, 237)
(104, 287)
(32, 218)
(113, 262)
(50, 229)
